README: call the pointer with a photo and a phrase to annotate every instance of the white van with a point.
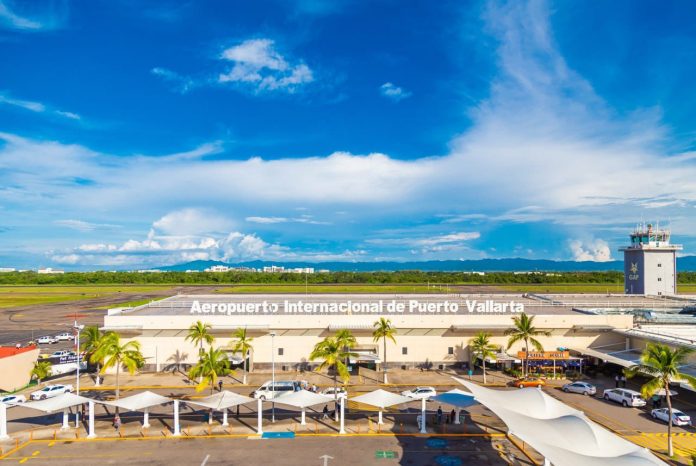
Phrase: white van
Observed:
(624, 396)
(268, 391)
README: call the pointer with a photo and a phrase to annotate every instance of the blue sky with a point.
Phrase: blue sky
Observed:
(136, 134)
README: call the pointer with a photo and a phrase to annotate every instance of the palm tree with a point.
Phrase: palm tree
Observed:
(90, 340)
(332, 354)
(213, 364)
(113, 353)
(347, 341)
(481, 346)
(524, 330)
(242, 344)
(661, 363)
(41, 370)
(384, 330)
(199, 333)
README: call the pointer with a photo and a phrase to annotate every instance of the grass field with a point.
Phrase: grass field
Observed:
(331, 289)
(13, 296)
(562, 288)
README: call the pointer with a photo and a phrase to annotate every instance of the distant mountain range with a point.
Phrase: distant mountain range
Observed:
(687, 263)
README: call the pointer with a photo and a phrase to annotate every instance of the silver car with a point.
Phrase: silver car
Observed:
(580, 387)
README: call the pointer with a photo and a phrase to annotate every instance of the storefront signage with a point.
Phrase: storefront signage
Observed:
(411, 306)
(544, 355)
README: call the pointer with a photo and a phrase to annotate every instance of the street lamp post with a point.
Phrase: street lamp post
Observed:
(78, 329)
(273, 391)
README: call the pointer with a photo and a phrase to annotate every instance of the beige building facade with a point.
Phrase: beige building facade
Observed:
(431, 330)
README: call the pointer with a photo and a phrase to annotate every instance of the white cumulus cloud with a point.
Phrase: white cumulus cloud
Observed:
(595, 250)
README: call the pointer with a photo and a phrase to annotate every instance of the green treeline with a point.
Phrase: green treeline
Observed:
(374, 278)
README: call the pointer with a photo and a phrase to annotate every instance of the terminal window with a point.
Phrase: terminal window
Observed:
(659, 265)
(450, 350)
(404, 350)
(659, 279)
(280, 351)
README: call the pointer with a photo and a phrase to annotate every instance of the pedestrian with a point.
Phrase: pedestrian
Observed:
(439, 414)
(655, 401)
(117, 422)
(616, 379)
(220, 385)
(325, 412)
(453, 416)
(623, 381)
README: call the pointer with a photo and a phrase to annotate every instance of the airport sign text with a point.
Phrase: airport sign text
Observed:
(412, 306)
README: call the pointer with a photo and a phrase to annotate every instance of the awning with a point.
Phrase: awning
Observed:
(481, 326)
(457, 398)
(364, 357)
(381, 399)
(57, 403)
(563, 435)
(140, 401)
(350, 326)
(221, 401)
(302, 399)
(592, 327)
(626, 358)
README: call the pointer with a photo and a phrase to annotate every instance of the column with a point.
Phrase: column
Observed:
(3, 422)
(423, 418)
(91, 433)
(259, 410)
(547, 462)
(177, 431)
(343, 415)
(456, 418)
(66, 420)
(303, 417)
(224, 418)
(146, 418)
(379, 419)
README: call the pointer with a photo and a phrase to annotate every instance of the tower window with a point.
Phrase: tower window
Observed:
(450, 350)
(280, 351)
(404, 350)
(659, 279)
(659, 265)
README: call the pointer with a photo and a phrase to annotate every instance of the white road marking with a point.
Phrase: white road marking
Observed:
(205, 460)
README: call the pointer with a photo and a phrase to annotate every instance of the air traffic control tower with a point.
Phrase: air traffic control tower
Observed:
(650, 262)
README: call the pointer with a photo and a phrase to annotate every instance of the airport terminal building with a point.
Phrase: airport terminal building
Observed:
(432, 329)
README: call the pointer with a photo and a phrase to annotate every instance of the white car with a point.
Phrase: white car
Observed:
(340, 392)
(13, 399)
(678, 417)
(62, 353)
(65, 337)
(420, 393)
(624, 396)
(46, 340)
(49, 391)
(580, 387)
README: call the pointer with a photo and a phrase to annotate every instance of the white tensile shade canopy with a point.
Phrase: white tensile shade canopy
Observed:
(222, 402)
(142, 402)
(563, 435)
(302, 399)
(381, 399)
(58, 403)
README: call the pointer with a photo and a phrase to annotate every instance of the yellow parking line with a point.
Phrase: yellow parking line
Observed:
(24, 460)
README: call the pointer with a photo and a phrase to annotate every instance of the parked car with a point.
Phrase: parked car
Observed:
(268, 390)
(624, 396)
(580, 387)
(49, 391)
(62, 353)
(65, 336)
(420, 393)
(529, 382)
(46, 340)
(13, 399)
(340, 392)
(678, 417)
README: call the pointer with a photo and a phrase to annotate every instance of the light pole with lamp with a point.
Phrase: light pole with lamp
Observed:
(273, 334)
(78, 329)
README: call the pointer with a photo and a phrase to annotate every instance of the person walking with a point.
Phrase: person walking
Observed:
(117, 422)
(623, 381)
(439, 414)
(325, 412)
(616, 380)
(220, 385)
